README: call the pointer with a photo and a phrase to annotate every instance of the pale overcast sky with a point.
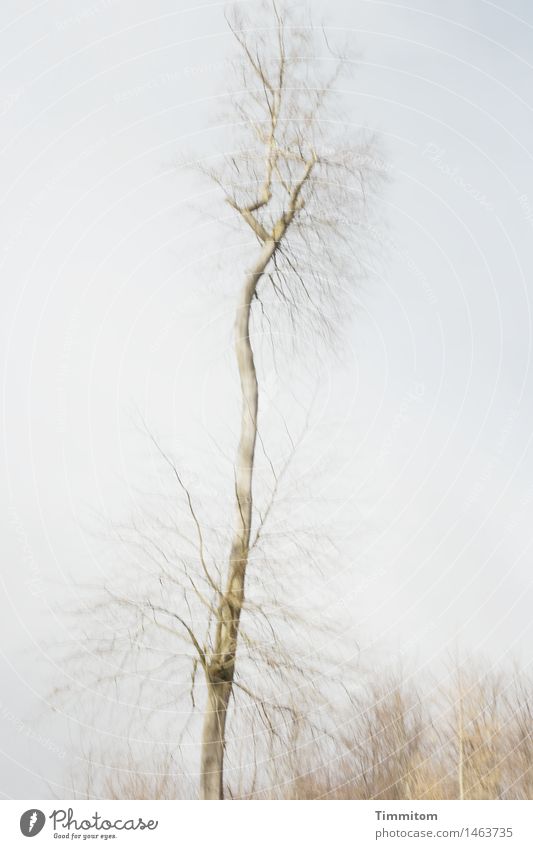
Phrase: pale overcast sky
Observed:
(110, 307)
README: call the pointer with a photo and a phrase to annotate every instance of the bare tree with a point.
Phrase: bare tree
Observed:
(299, 180)
(302, 201)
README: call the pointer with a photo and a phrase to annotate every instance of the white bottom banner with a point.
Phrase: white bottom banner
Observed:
(247, 824)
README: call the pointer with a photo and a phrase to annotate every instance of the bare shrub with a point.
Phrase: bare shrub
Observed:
(471, 739)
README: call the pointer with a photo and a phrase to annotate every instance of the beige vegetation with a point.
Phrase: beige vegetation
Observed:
(207, 620)
(472, 739)
(298, 185)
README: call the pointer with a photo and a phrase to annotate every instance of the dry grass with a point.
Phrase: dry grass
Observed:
(471, 738)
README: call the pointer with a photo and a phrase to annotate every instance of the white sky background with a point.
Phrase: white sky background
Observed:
(111, 304)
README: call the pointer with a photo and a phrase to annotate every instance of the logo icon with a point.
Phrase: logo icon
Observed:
(32, 822)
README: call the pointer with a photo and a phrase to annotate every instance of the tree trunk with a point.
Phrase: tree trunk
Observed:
(221, 662)
(213, 740)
